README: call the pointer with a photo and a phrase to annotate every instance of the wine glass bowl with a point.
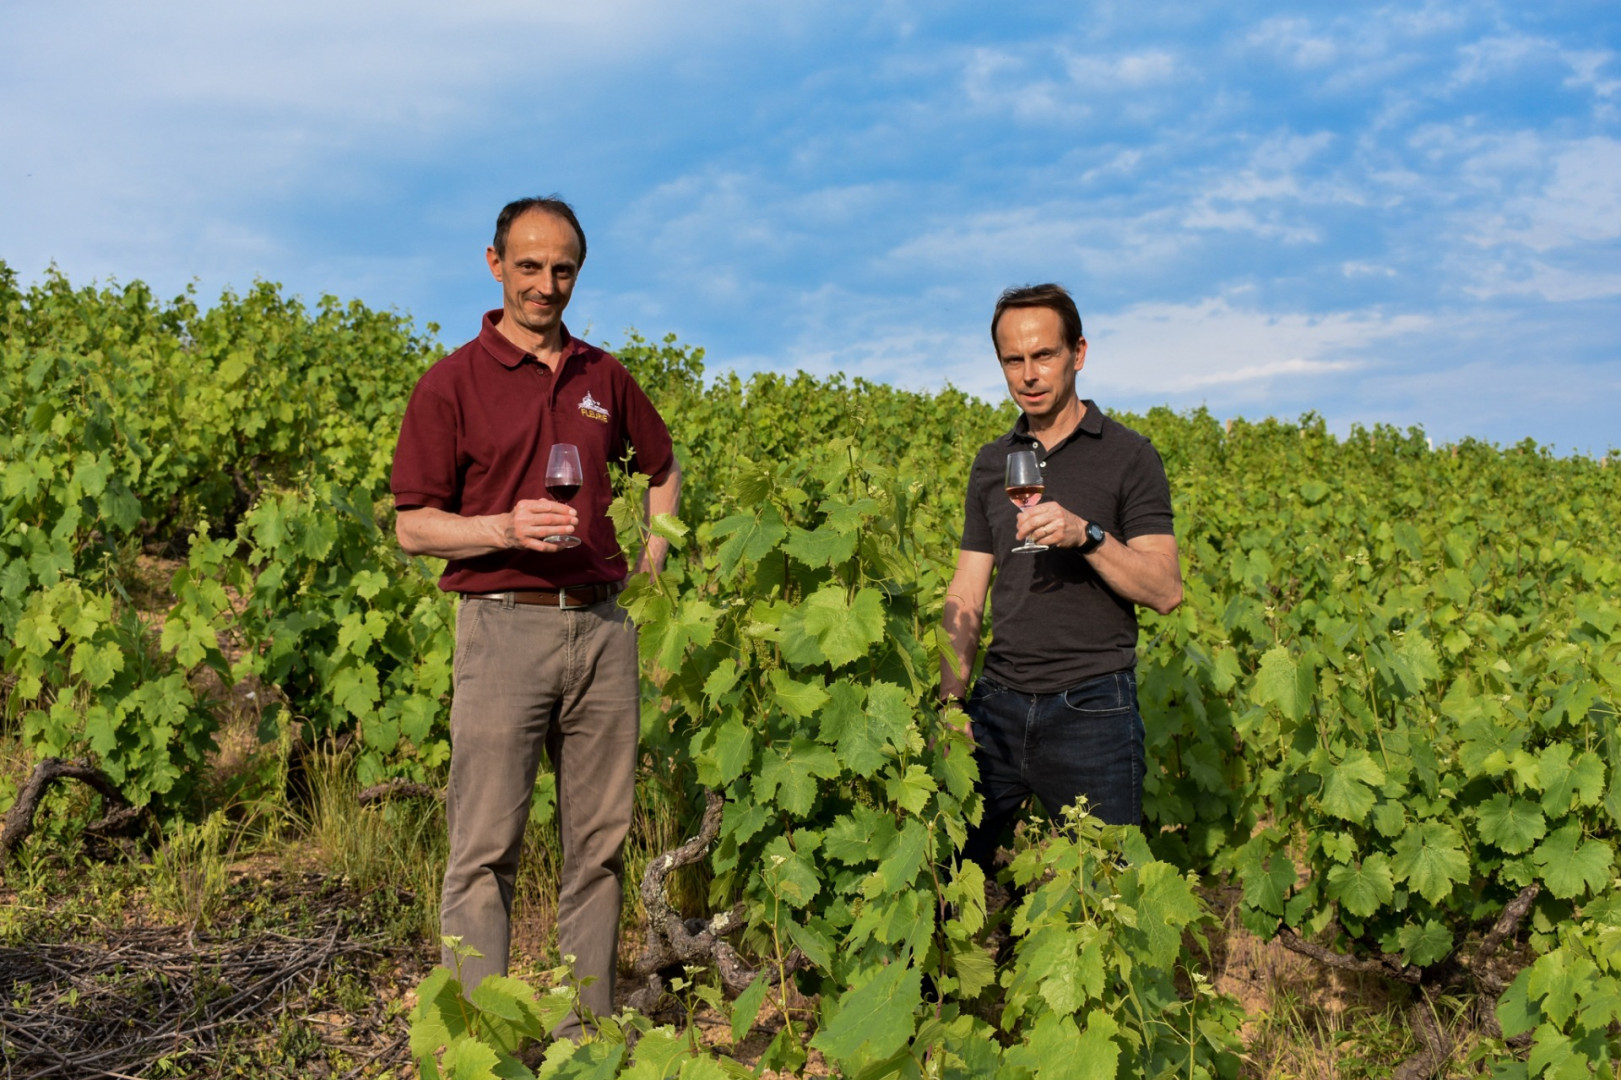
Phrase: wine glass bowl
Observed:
(1025, 485)
(563, 478)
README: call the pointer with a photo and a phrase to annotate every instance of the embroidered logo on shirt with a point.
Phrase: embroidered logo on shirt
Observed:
(590, 406)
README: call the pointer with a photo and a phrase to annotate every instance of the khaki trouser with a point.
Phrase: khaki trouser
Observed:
(527, 677)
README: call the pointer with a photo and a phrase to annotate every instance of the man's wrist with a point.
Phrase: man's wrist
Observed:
(503, 529)
(1092, 538)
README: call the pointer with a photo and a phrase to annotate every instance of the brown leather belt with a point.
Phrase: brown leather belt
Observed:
(574, 596)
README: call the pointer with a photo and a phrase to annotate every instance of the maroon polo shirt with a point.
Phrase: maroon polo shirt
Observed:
(475, 440)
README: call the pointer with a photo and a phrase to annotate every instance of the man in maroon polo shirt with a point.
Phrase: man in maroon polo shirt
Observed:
(544, 654)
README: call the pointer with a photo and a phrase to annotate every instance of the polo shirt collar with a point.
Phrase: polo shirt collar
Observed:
(1091, 424)
(505, 352)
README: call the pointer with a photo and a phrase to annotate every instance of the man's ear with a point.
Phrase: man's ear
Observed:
(1080, 355)
(494, 260)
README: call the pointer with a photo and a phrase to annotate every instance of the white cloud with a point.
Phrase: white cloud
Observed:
(993, 81)
(1153, 352)
(1581, 203)
(1018, 81)
(1587, 65)
(1489, 58)
(717, 217)
(1059, 239)
(1293, 40)
(1174, 349)
(1265, 196)
(1535, 278)
(175, 141)
(1356, 268)
(403, 63)
(1428, 20)
(1375, 50)
(1120, 163)
(911, 357)
(1131, 71)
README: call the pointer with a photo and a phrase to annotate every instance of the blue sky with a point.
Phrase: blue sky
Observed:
(1407, 214)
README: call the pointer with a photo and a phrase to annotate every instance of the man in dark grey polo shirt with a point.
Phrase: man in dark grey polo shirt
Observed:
(1054, 711)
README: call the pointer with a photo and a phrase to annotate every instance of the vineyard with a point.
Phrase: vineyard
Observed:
(1384, 717)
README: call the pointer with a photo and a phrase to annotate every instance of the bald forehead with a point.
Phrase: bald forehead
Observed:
(540, 225)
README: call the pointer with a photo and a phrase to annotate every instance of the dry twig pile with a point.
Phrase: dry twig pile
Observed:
(121, 1006)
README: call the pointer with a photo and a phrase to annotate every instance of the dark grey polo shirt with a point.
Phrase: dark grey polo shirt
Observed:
(1054, 623)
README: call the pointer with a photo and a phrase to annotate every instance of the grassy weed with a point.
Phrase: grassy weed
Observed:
(398, 844)
(189, 874)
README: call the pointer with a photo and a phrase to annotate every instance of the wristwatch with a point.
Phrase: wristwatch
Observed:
(1094, 537)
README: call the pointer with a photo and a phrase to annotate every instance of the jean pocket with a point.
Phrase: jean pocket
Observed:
(985, 689)
(1110, 695)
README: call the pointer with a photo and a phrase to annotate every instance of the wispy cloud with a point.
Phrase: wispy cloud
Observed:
(1491, 57)
(1173, 349)
(1580, 203)
(1129, 72)
(1294, 40)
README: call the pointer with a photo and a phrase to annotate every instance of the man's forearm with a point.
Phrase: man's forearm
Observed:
(430, 531)
(962, 622)
(964, 615)
(1150, 578)
(1144, 570)
(663, 497)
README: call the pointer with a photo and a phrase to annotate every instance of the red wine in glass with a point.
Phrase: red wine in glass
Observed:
(1025, 485)
(563, 478)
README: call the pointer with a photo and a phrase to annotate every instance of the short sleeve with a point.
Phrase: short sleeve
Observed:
(976, 524)
(653, 454)
(1145, 496)
(425, 472)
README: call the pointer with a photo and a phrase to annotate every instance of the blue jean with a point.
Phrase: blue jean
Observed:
(1087, 740)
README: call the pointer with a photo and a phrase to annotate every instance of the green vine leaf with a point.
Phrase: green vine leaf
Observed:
(1285, 682)
(1348, 786)
(1364, 889)
(1429, 855)
(1572, 866)
(874, 1019)
(1515, 825)
(829, 628)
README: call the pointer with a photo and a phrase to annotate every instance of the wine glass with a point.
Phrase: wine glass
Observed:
(1024, 486)
(563, 476)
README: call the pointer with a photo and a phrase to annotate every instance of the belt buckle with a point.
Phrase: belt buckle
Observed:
(562, 600)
